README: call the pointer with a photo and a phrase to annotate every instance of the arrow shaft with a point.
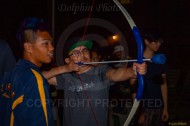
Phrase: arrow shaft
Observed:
(119, 61)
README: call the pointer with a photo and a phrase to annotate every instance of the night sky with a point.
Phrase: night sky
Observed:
(171, 17)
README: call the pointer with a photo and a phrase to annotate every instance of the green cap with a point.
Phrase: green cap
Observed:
(87, 43)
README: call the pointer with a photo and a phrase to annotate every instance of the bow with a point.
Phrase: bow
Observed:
(157, 58)
(139, 42)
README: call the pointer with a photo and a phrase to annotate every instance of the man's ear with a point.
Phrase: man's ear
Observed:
(67, 60)
(27, 47)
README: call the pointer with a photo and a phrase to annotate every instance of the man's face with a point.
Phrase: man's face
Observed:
(41, 49)
(80, 54)
(118, 55)
(95, 57)
(154, 46)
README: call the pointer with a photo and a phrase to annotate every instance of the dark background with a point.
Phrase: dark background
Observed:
(171, 17)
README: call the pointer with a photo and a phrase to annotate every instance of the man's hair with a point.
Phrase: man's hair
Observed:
(96, 48)
(152, 35)
(28, 28)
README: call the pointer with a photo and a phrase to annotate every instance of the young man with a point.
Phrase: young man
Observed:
(86, 87)
(121, 91)
(155, 104)
(24, 95)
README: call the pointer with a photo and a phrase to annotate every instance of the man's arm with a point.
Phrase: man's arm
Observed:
(122, 74)
(164, 91)
(52, 73)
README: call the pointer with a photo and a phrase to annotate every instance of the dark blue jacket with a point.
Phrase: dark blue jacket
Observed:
(24, 97)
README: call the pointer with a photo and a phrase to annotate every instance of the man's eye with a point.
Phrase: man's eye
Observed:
(75, 53)
(85, 50)
(45, 43)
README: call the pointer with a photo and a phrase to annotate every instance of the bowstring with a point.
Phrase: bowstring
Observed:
(88, 19)
(82, 84)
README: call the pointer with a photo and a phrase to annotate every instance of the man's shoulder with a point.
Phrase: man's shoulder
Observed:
(22, 73)
(3, 44)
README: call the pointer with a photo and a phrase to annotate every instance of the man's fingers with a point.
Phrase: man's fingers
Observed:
(141, 68)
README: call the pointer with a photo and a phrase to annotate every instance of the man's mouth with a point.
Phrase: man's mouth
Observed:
(51, 54)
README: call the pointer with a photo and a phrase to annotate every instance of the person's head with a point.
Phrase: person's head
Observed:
(118, 52)
(152, 39)
(96, 53)
(77, 50)
(95, 56)
(35, 41)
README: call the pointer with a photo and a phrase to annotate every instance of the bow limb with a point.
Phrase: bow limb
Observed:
(139, 42)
